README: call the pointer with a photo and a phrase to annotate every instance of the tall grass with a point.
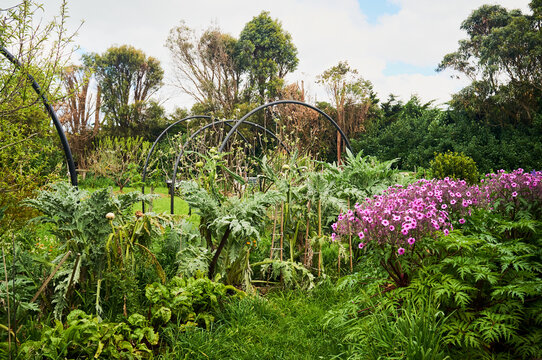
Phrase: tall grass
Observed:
(281, 325)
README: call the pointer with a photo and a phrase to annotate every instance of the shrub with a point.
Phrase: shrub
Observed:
(85, 336)
(402, 219)
(396, 226)
(487, 279)
(454, 165)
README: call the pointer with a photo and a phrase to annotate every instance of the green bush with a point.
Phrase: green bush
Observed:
(456, 166)
(85, 336)
(487, 280)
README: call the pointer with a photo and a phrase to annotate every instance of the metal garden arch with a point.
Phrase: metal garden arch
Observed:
(52, 114)
(244, 119)
(178, 159)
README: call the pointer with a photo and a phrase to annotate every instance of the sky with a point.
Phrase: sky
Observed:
(396, 44)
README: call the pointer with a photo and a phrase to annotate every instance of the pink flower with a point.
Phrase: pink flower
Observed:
(361, 235)
(400, 251)
(392, 227)
(404, 231)
(411, 241)
(446, 232)
(514, 194)
(361, 245)
(461, 221)
(385, 222)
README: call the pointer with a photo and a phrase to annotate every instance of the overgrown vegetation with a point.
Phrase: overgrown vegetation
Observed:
(275, 253)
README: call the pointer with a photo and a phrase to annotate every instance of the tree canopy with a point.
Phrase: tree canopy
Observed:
(266, 53)
(503, 57)
(127, 78)
(205, 67)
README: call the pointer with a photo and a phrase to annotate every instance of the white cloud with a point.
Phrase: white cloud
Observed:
(324, 31)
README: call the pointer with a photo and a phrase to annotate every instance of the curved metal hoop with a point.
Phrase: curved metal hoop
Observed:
(178, 159)
(244, 118)
(166, 130)
(52, 114)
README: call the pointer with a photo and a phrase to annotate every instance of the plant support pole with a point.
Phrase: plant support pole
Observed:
(52, 114)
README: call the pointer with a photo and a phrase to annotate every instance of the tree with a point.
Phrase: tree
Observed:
(352, 96)
(502, 58)
(128, 79)
(29, 154)
(266, 53)
(206, 68)
(79, 111)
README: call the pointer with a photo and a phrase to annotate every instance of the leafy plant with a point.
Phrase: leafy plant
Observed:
(187, 302)
(412, 330)
(119, 159)
(86, 336)
(78, 220)
(243, 219)
(488, 283)
(454, 165)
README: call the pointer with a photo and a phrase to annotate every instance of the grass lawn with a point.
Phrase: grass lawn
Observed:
(161, 204)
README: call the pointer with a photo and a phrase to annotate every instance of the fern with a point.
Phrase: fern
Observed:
(489, 283)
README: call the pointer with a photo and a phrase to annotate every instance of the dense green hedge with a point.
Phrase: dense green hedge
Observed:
(415, 131)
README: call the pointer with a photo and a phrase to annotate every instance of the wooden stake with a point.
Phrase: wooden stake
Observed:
(281, 228)
(274, 231)
(44, 285)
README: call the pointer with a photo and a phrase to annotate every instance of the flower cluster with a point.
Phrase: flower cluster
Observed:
(508, 186)
(403, 215)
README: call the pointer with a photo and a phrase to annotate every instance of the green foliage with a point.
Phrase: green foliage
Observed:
(266, 52)
(85, 336)
(281, 325)
(363, 176)
(29, 155)
(412, 330)
(488, 284)
(119, 159)
(80, 225)
(293, 275)
(188, 302)
(501, 56)
(455, 166)
(127, 78)
(242, 219)
(414, 132)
